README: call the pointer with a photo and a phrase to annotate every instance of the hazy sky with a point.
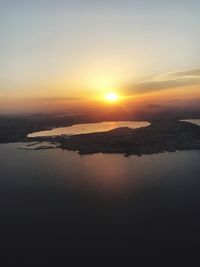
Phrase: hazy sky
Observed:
(77, 48)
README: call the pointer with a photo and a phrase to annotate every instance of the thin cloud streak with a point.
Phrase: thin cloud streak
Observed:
(166, 81)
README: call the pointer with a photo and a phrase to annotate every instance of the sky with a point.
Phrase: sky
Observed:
(66, 53)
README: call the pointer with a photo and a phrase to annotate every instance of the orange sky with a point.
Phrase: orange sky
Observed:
(63, 55)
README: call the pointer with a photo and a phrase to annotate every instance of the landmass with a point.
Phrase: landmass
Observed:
(159, 137)
(164, 134)
(156, 138)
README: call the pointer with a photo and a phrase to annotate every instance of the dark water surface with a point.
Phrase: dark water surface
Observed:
(56, 198)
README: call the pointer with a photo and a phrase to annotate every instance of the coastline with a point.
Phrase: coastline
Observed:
(159, 137)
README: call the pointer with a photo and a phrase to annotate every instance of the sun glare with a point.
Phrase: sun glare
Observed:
(111, 97)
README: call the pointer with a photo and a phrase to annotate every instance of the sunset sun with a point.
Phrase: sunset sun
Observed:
(111, 97)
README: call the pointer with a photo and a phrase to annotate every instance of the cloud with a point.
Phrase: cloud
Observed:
(166, 81)
(53, 99)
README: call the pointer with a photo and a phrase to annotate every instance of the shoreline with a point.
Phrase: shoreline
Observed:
(159, 137)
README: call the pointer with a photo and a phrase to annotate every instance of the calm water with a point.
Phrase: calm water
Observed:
(56, 198)
(90, 128)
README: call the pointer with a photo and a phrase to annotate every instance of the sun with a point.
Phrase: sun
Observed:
(111, 97)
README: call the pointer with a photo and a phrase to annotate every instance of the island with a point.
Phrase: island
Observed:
(165, 133)
(160, 136)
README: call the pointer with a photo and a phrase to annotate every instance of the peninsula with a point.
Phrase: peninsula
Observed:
(159, 137)
(166, 133)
